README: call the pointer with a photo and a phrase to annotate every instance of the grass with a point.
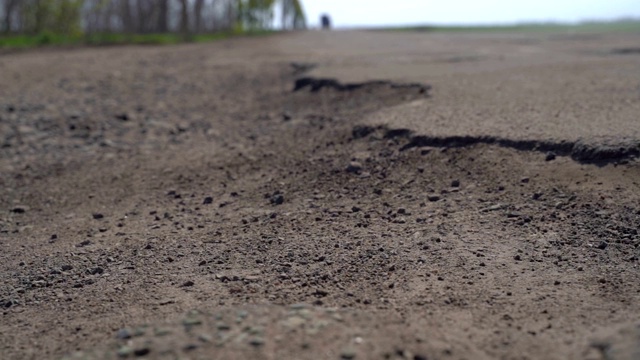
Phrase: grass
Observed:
(586, 27)
(50, 39)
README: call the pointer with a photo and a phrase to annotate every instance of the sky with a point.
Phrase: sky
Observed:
(354, 13)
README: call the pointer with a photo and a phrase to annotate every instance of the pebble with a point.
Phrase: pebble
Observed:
(98, 216)
(348, 354)
(191, 321)
(354, 167)
(190, 347)
(603, 245)
(277, 199)
(84, 243)
(433, 198)
(143, 351)
(123, 334)
(208, 200)
(124, 351)
(455, 183)
(96, 271)
(550, 156)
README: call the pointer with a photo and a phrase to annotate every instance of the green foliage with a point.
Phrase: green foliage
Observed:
(55, 16)
(48, 38)
(96, 22)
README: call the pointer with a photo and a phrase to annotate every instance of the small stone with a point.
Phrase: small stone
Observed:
(84, 243)
(455, 183)
(556, 283)
(348, 354)
(550, 156)
(66, 267)
(257, 341)
(277, 199)
(354, 167)
(188, 283)
(191, 321)
(124, 351)
(123, 117)
(190, 347)
(96, 271)
(603, 245)
(517, 258)
(208, 200)
(98, 216)
(524, 180)
(143, 351)
(123, 334)
(286, 116)
(433, 198)
(223, 327)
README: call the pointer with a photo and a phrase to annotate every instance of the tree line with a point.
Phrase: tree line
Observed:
(74, 17)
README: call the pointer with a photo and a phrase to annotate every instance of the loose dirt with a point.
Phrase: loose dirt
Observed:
(185, 202)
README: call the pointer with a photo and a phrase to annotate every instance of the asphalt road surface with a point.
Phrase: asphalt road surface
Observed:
(323, 195)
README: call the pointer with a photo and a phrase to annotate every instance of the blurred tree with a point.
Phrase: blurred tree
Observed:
(125, 15)
(197, 15)
(9, 8)
(292, 15)
(146, 16)
(184, 16)
(162, 24)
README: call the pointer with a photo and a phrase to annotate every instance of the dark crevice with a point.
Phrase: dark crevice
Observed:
(598, 153)
(317, 84)
(626, 51)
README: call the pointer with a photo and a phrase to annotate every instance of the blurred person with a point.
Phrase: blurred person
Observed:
(325, 20)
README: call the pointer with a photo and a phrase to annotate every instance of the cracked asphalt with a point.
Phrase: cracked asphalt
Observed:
(420, 196)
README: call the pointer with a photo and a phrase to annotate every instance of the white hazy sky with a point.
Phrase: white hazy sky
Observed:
(346, 13)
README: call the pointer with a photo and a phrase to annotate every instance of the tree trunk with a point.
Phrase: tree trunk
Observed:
(127, 20)
(9, 7)
(197, 13)
(163, 15)
(184, 17)
(142, 16)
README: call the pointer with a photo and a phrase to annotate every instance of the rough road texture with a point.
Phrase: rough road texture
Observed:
(185, 202)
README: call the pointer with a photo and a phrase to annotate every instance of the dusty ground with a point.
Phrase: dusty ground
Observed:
(183, 202)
